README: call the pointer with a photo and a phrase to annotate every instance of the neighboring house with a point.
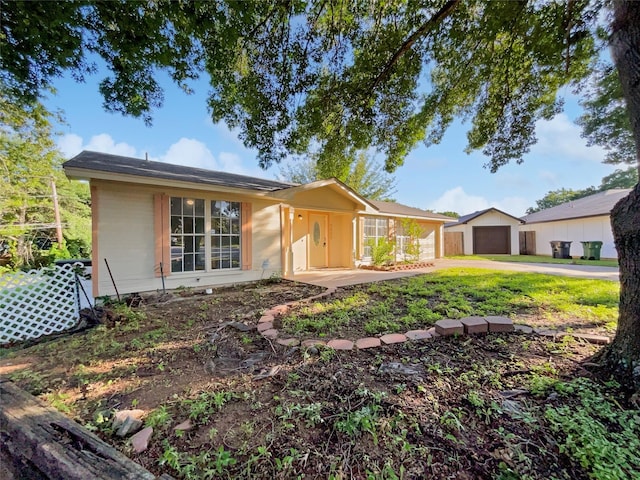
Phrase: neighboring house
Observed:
(486, 232)
(584, 220)
(197, 227)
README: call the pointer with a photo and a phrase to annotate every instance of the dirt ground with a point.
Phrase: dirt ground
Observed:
(444, 408)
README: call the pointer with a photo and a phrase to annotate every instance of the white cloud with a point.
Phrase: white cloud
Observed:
(230, 162)
(457, 200)
(516, 206)
(72, 144)
(191, 153)
(186, 151)
(560, 138)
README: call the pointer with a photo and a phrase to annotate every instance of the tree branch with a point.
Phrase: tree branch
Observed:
(441, 14)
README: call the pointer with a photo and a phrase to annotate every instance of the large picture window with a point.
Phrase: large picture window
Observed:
(204, 233)
(374, 230)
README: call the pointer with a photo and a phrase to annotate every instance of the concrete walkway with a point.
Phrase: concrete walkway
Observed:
(342, 277)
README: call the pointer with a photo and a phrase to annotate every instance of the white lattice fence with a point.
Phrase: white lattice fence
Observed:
(38, 302)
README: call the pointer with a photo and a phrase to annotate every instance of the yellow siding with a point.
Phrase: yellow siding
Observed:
(126, 231)
(324, 198)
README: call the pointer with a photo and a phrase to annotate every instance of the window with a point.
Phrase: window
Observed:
(192, 249)
(225, 234)
(374, 230)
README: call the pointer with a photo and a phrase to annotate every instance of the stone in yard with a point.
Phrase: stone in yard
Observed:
(449, 327)
(186, 425)
(417, 335)
(340, 344)
(523, 328)
(368, 342)
(288, 342)
(499, 324)
(140, 441)
(271, 334)
(129, 426)
(266, 318)
(264, 326)
(474, 325)
(393, 338)
(126, 422)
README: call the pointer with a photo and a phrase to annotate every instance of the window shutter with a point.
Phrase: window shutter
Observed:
(161, 232)
(245, 216)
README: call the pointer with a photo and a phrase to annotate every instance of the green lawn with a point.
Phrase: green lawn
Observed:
(538, 259)
(418, 302)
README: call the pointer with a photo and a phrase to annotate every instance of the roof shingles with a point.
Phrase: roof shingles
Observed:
(104, 162)
(592, 206)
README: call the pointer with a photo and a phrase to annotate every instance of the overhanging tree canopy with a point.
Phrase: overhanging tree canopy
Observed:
(334, 76)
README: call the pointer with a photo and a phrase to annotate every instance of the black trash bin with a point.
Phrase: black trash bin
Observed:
(591, 250)
(560, 249)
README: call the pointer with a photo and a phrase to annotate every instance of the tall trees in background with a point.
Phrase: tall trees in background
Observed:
(29, 168)
(336, 77)
(365, 176)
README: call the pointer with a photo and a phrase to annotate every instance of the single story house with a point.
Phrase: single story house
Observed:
(486, 232)
(154, 222)
(584, 220)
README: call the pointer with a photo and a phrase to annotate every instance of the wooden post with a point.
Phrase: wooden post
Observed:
(56, 212)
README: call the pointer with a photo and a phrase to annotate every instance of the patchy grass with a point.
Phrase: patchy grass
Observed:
(501, 406)
(418, 302)
(608, 262)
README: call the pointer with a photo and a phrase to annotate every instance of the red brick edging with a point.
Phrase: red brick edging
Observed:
(446, 327)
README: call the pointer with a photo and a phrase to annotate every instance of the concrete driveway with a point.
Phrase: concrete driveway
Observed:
(343, 277)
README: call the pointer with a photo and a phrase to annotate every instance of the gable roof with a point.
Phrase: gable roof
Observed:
(470, 216)
(398, 209)
(107, 163)
(592, 206)
(333, 183)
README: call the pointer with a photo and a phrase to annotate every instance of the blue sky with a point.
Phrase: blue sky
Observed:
(440, 177)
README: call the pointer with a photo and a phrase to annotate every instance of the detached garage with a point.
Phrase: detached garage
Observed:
(587, 219)
(486, 232)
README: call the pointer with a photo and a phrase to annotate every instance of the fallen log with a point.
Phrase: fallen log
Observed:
(38, 442)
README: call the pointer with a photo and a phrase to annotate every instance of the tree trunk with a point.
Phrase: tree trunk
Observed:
(622, 358)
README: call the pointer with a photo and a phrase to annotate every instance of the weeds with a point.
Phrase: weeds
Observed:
(596, 432)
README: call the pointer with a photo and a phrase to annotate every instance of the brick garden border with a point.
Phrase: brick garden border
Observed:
(446, 327)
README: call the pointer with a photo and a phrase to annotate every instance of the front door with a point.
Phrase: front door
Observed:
(317, 241)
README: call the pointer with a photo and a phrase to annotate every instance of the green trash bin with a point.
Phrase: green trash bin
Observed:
(591, 250)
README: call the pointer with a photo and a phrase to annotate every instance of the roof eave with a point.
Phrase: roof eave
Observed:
(76, 173)
(592, 215)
